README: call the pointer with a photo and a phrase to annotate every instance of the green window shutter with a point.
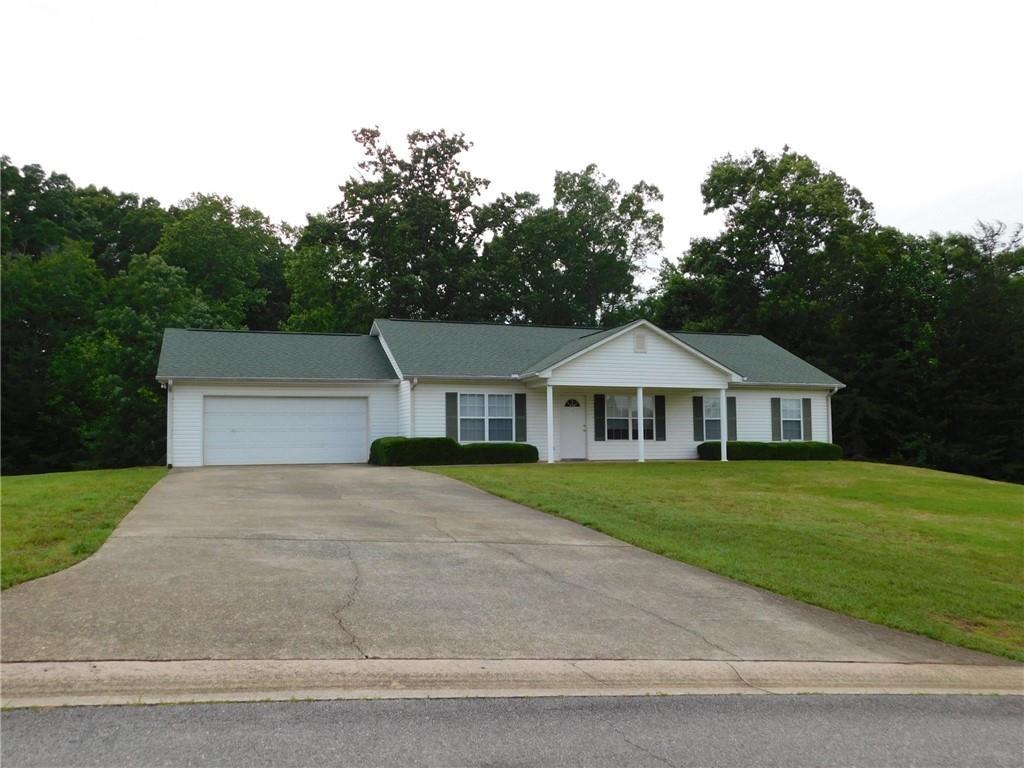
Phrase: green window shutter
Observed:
(698, 419)
(520, 401)
(808, 433)
(776, 419)
(730, 407)
(599, 417)
(659, 417)
(451, 415)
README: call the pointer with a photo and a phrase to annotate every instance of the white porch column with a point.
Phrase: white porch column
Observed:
(551, 423)
(640, 423)
(723, 420)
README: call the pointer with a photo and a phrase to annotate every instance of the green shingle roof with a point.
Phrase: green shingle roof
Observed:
(757, 359)
(432, 348)
(202, 354)
(443, 349)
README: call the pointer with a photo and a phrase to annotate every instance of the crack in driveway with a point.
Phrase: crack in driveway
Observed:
(349, 599)
(606, 595)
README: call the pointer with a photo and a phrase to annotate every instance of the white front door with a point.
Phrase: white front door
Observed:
(573, 434)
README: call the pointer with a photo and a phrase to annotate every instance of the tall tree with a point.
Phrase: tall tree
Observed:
(234, 255)
(403, 232)
(925, 332)
(41, 211)
(976, 394)
(45, 302)
(574, 262)
(103, 380)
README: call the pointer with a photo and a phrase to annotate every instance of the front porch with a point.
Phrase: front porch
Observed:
(603, 424)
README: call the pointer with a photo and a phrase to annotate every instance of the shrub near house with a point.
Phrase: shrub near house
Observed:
(418, 451)
(738, 450)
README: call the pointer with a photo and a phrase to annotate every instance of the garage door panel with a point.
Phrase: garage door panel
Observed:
(284, 430)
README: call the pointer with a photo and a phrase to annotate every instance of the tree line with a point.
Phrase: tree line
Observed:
(927, 332)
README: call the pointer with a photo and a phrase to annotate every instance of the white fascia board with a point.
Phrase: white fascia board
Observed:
(664, 334)
(462, 377)
(788, 385)
(272, 380)
(387, 350)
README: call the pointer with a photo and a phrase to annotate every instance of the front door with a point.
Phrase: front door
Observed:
(573, 429)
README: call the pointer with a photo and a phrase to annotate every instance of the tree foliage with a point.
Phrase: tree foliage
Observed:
(926, 332)
(412, 238)
(233, 255)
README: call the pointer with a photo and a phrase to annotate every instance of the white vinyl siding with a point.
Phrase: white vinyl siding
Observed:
(429, 410)
(616, 364)
(754, 411)
(187, 410)
(404, 409)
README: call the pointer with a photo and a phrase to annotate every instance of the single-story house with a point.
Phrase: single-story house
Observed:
(632, 392)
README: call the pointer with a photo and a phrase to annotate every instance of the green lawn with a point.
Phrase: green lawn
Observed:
(48, 522)
(923, 551)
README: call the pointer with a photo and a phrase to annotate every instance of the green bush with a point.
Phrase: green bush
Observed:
(415, 451)
(497, 453)
(790, 451)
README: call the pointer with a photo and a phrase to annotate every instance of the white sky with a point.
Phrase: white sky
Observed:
(917, 104)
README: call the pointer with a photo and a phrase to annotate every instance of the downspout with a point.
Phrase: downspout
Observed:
(412, 406)
(170, 422)
(828, 403)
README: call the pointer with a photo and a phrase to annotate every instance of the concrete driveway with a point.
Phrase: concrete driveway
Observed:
(347, 562)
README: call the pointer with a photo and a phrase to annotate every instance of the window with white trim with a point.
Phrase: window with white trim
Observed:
(712, 418)
(500, 410)
(486, 418)
(792, 419)
(616, 417)
(620, 418)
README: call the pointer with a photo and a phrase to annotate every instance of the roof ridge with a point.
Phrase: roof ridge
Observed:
(492, 322)
(281, 333)
(720, 333)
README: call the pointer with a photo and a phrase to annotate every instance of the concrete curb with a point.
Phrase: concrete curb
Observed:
(78, 683)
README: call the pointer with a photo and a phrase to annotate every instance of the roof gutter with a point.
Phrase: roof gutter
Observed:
(246, 379)
(790, 385)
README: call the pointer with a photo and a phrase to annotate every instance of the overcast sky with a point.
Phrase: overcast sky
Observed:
(917, 104)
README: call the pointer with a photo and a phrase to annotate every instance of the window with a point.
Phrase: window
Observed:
(472, 424)
(499, 418)
(572, 402)
(617, 412)
(486, 418)
(712, 418)
(792, 420)
(648, 418)
(620, 418)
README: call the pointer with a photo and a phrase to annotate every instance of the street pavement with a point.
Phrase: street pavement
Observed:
(680, 731)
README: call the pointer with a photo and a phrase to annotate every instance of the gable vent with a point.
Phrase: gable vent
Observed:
(639, 341)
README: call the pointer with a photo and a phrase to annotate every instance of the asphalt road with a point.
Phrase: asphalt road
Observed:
(667, 731)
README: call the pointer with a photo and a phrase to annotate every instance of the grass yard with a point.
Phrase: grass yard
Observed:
(48, 522)
(928, 552)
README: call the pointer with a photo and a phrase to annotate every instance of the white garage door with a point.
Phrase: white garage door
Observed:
(284, 430)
